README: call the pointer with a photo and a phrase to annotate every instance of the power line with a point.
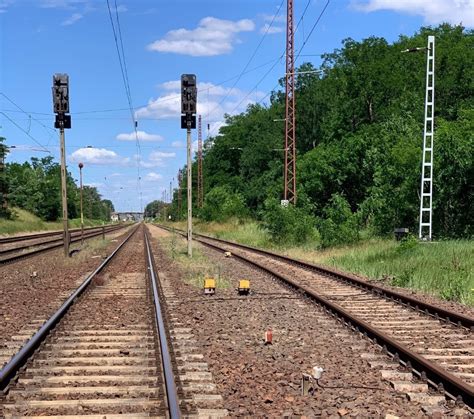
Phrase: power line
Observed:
(313, 28)
(248, 62)
(47, 129)
(26, 132)
(126, 82)
(281, 56)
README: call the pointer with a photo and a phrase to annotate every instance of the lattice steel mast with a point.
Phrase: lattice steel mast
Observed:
(290, 128)
(426, 192)
(200, 177)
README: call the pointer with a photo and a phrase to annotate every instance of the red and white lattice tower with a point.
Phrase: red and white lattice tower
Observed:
(290, 127)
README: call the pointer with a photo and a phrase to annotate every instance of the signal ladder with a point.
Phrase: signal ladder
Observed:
(426, 198)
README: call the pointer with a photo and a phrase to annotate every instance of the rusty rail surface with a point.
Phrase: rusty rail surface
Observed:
(52, 244)
(453, 386)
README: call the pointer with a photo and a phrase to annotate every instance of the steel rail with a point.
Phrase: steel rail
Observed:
(53, 246)
(171, 392)
(13, 239)
(438, 312)
(435, 375)
(8, 372)
(56, 239)
(451, 316)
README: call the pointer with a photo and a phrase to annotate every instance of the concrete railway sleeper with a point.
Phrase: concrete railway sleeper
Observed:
(104, 352)
(432, 346)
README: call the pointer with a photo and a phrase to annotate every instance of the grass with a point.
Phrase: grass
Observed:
(196, 269)
(25, 221)
(444, 269)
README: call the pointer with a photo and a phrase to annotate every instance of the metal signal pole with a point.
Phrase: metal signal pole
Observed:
(61, 108)
(188, 121)
(180, 179)
(190, 193)
(200, 177)
(290, 129)
(64, 192)
(82, 212)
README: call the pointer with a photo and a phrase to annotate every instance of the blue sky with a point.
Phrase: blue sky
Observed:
(163, 39)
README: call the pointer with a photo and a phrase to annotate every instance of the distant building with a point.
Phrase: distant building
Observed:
(126, 216)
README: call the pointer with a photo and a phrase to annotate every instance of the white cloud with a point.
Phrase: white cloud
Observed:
(271, 29)
(212, 37)
(94, 184)
(63, 4)
(4, 5)
(156, 155)
(142, 136)
(99, 156)
(210, 96)
(72, 19)
(153, 177)
(178, 144)
(269, 18)
(433, 11)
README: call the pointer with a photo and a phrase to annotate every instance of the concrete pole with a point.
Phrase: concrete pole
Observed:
(190, 197)
(82, 212)
(64, 193)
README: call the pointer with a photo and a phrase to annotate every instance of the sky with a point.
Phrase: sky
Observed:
(233, 47)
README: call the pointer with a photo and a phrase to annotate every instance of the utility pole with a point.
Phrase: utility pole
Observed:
(200, 176)
(171, 192)
(289, 194)
(188, 122)
(62, 121)
(82, 197)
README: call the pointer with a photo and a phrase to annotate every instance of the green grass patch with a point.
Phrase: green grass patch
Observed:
(24, 221)
(197, 268)
(444, 269)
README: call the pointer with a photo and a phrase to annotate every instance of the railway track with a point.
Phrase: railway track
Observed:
(434, 344)
(25, 237)
(104, 352)
(52, 241)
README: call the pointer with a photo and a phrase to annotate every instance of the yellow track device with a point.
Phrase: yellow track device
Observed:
(209, 286)
(244, 287)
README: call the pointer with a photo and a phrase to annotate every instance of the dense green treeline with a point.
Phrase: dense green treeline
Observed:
(359, 137)
(36, 187)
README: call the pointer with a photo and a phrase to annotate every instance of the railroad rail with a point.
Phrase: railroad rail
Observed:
(50, 244)
(33, 236)
(103, 351)
(437, 345)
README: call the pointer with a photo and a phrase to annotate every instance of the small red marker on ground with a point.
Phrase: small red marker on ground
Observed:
(268, 337)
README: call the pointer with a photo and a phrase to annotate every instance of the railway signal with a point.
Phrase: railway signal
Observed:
(188, 122)
(63, 121)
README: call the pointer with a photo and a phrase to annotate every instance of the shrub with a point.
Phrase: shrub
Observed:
(221, 204)
(339, 225)
(288, 224)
